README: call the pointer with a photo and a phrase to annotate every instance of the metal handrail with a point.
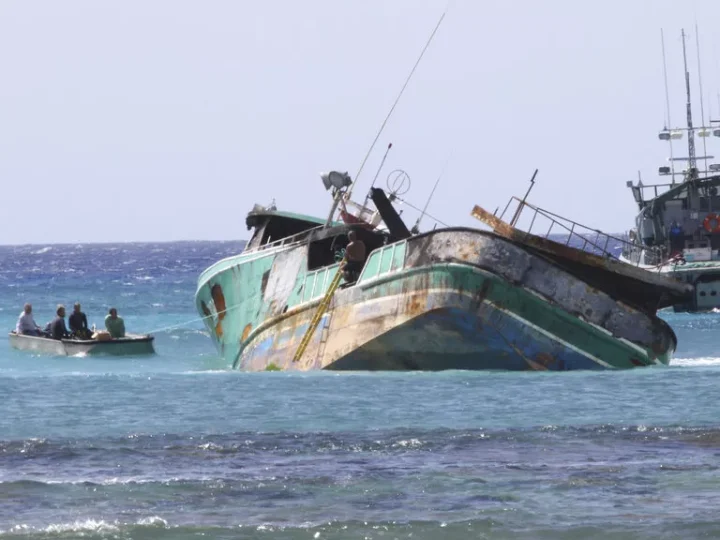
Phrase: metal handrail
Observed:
(285, 240)
(596, 244)
(288, 240)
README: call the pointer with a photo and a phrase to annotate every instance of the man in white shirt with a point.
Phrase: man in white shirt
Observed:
(26, 323)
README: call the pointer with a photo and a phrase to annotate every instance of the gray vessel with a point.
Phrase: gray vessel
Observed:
(677, 231)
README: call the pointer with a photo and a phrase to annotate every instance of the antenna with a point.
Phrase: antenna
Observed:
(416, 227)
(702, 107)
(667, 104)
(692, 162)
(349, 191)
(367, 197)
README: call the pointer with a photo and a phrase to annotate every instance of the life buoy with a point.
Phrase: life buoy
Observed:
(709, 225)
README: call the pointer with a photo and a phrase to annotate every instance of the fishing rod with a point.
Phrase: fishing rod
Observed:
(382, 127)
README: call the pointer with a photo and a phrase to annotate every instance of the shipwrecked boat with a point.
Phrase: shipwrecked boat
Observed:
(451, 298)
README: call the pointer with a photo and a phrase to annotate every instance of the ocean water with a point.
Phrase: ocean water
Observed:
(179, 446)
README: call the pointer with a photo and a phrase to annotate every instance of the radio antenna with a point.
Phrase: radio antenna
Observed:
(416, 227)
(382, 127)
(702, 107)
(667, 104)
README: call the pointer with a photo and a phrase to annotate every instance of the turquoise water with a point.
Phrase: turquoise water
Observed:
(179, 446)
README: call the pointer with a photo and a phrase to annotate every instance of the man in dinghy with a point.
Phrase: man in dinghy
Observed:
(57, 328)
(114, 324)
(26, 323)
(78, 323)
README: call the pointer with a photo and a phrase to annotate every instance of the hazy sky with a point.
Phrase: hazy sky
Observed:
(168, 120)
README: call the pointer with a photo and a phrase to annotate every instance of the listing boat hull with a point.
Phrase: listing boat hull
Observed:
(450, 299)
(130, 345)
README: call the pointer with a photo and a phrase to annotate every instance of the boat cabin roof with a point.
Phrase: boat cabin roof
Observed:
(273, 225)
(291, 219)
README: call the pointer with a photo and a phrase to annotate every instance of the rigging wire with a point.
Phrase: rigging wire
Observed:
(702, 107)
(382, 127)
(420, 210)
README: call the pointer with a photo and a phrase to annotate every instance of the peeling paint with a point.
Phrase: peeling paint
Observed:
(246, 332)
(219, 301)
(463, 299)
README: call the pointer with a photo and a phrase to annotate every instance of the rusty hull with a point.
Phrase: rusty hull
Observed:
(463, 299)
(636, 286)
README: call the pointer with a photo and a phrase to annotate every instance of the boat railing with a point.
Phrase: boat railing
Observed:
(229, 261)
(653, 188)
(286, 240)
(574, 234)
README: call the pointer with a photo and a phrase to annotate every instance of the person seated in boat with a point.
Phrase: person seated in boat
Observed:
(78, 323)
(114, 324)
(355, 254)
(57, 328)
(26, 323)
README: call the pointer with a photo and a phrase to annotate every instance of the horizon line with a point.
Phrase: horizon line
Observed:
(47, 244)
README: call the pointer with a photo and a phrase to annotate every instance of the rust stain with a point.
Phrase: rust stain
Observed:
(658, 347)
(219, 301)
(246, 332)
(206, 310)
(264, 282)
(544, 359)
(577, 255)
(415, 304)
(482, 293)
(465, 252)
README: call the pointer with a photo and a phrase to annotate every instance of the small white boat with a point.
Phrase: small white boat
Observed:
(130, 345)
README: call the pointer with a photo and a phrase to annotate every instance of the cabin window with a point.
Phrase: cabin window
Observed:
(256, 237)
(326, 251)
(277, 229)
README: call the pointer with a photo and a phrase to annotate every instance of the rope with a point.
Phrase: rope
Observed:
(192, 321)
(397, 99)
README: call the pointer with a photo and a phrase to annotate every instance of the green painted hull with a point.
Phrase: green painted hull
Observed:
(452, 299)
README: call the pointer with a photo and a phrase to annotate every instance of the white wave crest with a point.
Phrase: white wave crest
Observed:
(702, 361)
(85, 526)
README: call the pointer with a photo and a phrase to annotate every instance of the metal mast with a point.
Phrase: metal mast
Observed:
(692, 161)
(667, 105)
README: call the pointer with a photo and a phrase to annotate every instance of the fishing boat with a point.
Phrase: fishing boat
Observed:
(677, 229)
(449, 298)
(130, 345)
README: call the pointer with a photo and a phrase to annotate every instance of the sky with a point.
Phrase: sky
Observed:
(168, 120)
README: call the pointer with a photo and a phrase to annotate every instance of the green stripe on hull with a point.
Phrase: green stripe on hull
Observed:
(397, 299)
(259, 305)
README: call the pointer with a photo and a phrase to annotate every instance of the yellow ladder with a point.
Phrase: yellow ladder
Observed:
(321, 309)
